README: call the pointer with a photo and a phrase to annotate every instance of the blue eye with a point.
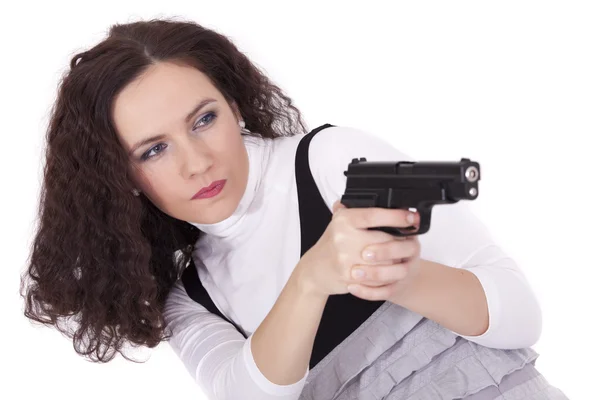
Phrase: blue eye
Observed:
(207, 119)
(156, 149)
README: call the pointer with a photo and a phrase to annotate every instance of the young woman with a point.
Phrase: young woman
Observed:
(184, 200)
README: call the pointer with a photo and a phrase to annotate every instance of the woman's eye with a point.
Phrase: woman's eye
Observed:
(205, 120)
(156, 149)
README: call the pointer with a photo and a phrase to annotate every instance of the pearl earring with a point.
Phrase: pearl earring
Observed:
(242, 125)
(135, 192)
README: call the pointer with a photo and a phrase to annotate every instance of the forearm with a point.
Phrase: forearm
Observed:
(452, 297)
(282, 344)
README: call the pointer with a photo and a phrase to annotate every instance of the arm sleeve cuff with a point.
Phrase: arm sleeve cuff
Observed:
(493, 302)
(263, 383)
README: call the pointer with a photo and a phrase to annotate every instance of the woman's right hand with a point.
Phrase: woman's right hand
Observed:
(326, 268)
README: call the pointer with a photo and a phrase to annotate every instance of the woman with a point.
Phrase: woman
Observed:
(183, 200)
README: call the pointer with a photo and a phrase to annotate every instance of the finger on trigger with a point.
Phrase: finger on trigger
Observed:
(376, 217)
(412, 217)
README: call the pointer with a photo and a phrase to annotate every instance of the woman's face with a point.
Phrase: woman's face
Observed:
(176, 148)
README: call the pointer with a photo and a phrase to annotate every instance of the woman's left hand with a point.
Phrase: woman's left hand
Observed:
(388, 268)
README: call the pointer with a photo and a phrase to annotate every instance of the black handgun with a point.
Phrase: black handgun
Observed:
(410, 185)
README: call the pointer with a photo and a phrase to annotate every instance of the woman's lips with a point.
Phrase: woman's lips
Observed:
(211, 191)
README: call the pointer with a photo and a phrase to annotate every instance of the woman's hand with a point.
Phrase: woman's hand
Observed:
(389, 267)
(389, 263)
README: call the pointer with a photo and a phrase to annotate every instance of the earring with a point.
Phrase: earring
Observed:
(135, 192)
(242, 125)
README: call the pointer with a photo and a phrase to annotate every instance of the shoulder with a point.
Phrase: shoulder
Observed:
(333, 148)
(347, 141)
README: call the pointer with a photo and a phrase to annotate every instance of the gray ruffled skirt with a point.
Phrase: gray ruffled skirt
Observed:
(398, 355)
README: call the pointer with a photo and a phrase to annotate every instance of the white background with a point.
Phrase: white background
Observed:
(514, 85)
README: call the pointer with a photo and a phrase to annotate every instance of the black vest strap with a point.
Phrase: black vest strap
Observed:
(343, 313)
(197, 292)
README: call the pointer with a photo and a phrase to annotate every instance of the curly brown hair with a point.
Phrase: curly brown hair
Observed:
(103, 261)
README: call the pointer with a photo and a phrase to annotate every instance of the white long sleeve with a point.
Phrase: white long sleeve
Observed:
(217, 355)
(457, 238)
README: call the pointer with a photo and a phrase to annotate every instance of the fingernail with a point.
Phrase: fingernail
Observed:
(358, 273)
(368, 255)
(410, 218)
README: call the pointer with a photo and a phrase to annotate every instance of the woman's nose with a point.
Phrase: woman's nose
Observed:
(196, 158)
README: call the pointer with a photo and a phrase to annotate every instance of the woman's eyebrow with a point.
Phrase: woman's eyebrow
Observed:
(198, 107)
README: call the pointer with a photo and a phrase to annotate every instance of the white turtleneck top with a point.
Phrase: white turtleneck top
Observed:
(245, 261)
